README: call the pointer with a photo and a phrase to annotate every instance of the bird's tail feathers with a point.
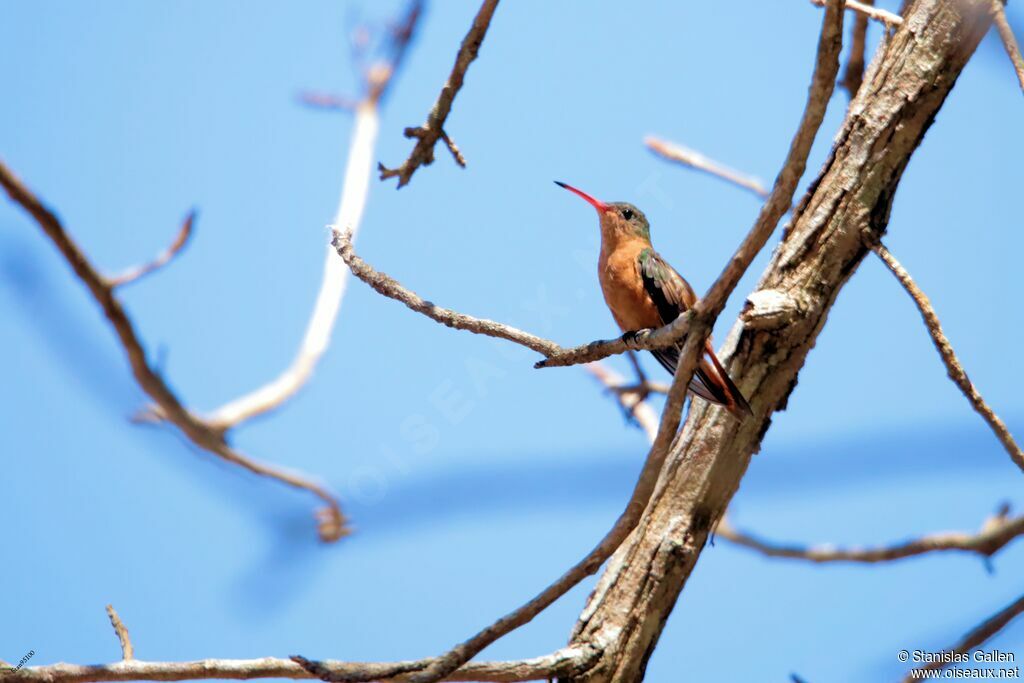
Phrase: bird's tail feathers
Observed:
(734, 401)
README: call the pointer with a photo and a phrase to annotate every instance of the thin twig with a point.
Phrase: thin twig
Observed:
(953, 366)
(696, 160)
(565, 662)
(876, 13)
(432, 130)
(351, 206)
(781, 198)
(995, 533)
(127, 652)
(975, 639)
(454, 149)
(555, 355)
(853, 75)
(165, 257)
(822, 83)
(1009, 41)
(332, 522)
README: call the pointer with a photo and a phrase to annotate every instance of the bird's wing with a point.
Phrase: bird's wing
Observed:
(668, 290)
(672, 295)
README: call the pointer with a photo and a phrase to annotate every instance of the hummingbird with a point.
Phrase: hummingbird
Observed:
(643, 291)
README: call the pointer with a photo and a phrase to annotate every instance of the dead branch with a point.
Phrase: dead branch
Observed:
(165, 257)
(354, 191)
(997, 531)
(690, 477)
(977, 637)
(127, 652)
(556, 355)
(695, 160)
(853, 75)
(432, 130)
(905, 86)
(888, 18)
(332, 522)
(561, 663)
(1009, 41)
(954, 368)
(706, 310)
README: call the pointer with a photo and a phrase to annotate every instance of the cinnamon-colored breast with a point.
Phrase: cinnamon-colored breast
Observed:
(618, 270)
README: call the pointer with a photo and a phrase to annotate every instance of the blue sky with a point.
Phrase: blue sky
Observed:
(124, 115)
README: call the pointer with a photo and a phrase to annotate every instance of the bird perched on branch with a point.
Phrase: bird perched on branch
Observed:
(643, 291)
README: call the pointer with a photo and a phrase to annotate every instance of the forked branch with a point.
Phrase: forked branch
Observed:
(165, 257)
(331, 520)
(704, 314)
(555, 355)
(433, 130)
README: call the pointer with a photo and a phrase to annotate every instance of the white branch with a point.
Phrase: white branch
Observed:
(355, 189)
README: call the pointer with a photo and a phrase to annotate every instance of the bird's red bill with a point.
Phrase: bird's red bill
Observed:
(596, 203)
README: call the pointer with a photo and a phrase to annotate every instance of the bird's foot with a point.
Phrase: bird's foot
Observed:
(634, 338)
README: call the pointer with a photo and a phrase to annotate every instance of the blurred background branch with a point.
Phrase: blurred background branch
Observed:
(331, 521)
(977, 637)
(354, 191)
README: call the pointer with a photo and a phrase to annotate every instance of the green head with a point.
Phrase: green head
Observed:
(617, 218)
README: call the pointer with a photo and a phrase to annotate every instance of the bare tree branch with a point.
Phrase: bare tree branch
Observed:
(561, 663)
(354, 191)
(689, 477)
(853, 75)
(706, 310)
(695, 160)
(977, 637)
(888, 18)
(781, 198)
(556, 355)
(905, 86)
(127, 652)
(332, 522)
(1009, 41)
(438, 668)
(995, 533)
(953, 366)
(432, 130)
(165, 257)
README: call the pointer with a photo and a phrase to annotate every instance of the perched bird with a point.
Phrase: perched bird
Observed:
(643, 291)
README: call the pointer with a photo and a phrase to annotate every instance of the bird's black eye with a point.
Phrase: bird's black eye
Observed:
(627, 214)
